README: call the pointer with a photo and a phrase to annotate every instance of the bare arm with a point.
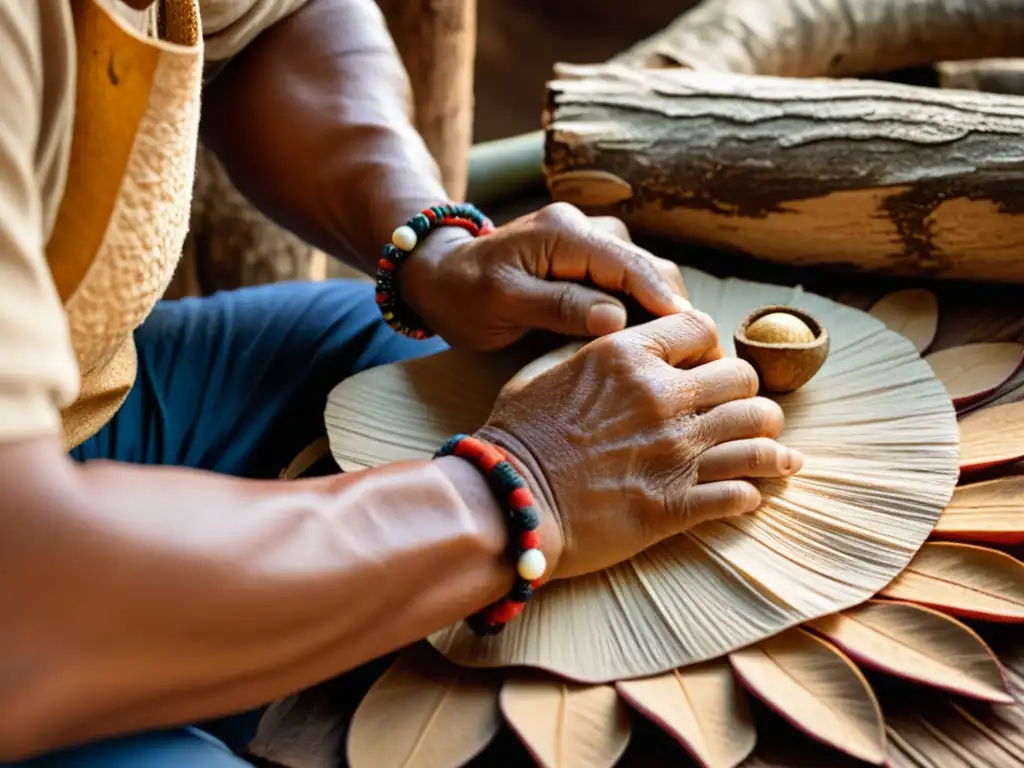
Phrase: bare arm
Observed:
(311, 121)
(139, 597)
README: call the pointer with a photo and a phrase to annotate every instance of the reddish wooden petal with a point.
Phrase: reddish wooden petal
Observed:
(702, 707)
(918, 644)
(992, 436)
(991, 511)
(964, 580)
(566, 725)
(975, 370)
(816, 688)
(424, 712)
(914, 313)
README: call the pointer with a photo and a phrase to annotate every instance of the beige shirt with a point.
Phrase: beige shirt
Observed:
(99, 116)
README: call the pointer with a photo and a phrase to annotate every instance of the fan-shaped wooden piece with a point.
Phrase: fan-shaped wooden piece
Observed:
(880, 437)
(964, 580)
(702, 707)
(565, 725)
(913, 312)
(991, 511)
(817, 689)
(975, 370)
(992, 436)
(918, 644)
(425, 712)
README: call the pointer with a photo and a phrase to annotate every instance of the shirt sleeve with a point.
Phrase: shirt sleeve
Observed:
(38, 371)
(230, 25)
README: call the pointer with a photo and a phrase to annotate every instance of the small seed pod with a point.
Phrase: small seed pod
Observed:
(786, 346)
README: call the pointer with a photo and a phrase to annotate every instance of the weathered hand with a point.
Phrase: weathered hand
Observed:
(551, 270)
(638, 436)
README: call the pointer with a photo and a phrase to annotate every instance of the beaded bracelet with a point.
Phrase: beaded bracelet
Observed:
(518, 504)
(403, 241)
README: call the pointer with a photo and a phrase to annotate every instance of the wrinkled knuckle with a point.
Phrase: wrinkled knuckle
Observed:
(737, 495)
(700, 326)
(766, 416)
(747, 382)
(560, 213)
(566, 304)
(760, 454)
(615, 350)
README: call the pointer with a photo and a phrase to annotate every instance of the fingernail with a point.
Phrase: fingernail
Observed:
(606, 318)
(792, 461)
(681, 304)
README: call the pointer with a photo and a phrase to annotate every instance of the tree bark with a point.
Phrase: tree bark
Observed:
(814, 38)
(437, 42)
(874, 176)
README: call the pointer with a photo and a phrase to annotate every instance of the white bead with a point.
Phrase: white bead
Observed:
(532, 565)
(404, 238)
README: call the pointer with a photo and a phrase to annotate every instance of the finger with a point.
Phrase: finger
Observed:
(569, 309)
(712, 501)
(612, 226)
(721, 381)
(742, 419)
(756, 457)
(672, 274)
(581, 251)
(681, 340)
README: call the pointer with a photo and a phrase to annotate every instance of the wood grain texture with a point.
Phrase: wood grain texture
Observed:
(873, 176)
(813, 38)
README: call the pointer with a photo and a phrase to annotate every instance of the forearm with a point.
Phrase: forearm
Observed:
(136, 597)
(311, 121)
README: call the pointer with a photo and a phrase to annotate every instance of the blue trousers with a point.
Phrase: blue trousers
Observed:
(233, 383)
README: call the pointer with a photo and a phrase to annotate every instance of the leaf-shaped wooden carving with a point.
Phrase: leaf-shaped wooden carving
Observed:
(565, 725)
(975, 370)
(918, 644)
(914, 313)
(964, 580)
(589, 188)
(816, 688)
(702, 707)
(992, 436)
(425, 712)
(991, 511)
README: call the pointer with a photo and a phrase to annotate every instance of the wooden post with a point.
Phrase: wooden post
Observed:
(437, 42)
(876, 176)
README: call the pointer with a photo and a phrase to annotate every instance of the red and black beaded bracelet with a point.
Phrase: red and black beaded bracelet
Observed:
(403, 242)
(520, 510)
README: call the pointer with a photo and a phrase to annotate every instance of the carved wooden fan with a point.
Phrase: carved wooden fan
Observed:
(681, 634)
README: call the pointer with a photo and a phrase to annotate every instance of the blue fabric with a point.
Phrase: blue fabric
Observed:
(235, 383)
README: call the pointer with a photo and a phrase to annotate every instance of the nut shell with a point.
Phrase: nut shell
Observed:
(782, 364)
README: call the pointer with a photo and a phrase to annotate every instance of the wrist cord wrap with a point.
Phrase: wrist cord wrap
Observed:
(517, 503)
(403, 242)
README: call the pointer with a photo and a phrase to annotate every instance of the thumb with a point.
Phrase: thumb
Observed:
(569, 309)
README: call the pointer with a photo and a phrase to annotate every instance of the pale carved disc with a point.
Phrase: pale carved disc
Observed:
(880, 436)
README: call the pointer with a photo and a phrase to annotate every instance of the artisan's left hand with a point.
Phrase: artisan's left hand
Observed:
(552, 270)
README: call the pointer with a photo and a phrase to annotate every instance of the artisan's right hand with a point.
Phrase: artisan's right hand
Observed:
(639, 436)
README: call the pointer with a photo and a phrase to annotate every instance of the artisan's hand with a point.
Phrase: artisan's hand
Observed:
(552, 270)
(639, 436)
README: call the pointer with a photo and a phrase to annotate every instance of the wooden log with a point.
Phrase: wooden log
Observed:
(813, 38)
(989, 75)
(874, 176)
(437, 42)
